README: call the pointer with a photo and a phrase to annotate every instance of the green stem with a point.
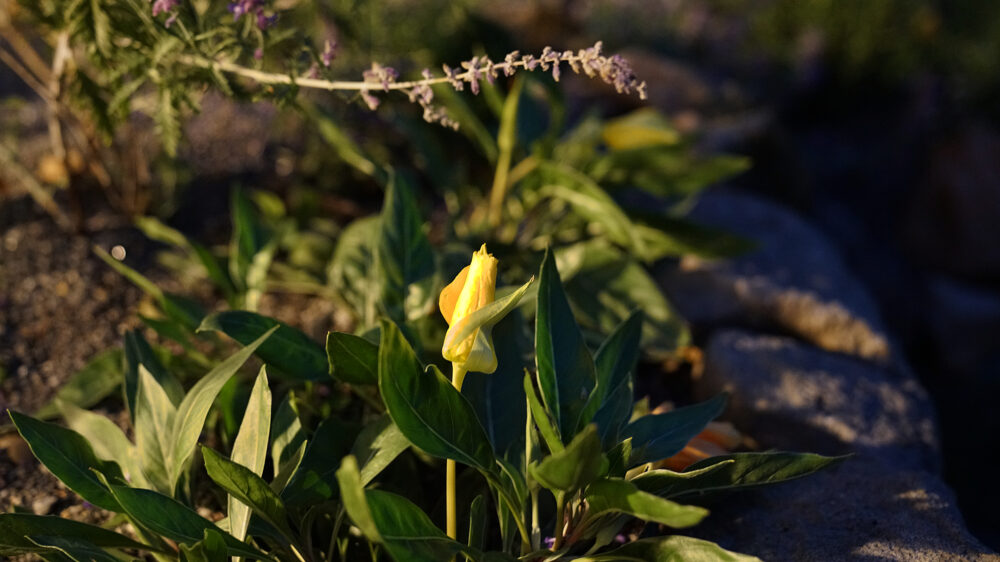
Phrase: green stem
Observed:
(457, 377)
(560, 520)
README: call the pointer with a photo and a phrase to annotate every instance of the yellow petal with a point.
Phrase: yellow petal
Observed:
(449, 295)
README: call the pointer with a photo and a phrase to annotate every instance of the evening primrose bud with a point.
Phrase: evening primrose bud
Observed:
(473, 289)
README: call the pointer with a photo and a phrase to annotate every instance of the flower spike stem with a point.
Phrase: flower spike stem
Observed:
(457, 377)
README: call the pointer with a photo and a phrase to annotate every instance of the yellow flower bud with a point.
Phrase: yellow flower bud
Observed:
(473, 289)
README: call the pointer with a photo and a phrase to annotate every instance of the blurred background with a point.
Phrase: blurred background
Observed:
(878, 121)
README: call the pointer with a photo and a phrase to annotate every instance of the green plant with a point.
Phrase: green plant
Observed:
(552, 449)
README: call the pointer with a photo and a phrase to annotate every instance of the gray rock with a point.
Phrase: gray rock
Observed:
(795, 281)
(884, 503)
(793, 396)
(860, 510)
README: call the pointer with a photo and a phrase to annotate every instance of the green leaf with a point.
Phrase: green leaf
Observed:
(157, 230)
(88, 386)
(352, 494)
(618, 459)
(246, 240)
(658, 436)
(427, 408)
(194, 409)
(477, 523)
(314, 481)
(619, 353)
(498, 398)
(69, 457)
(250, 450)
(16, 527)
(732, 472)
(378, 444)
(73, 549)
(541, 416)
(288, 349)
(180, 310)
(606, 286)
(351, 269)
(248, 488)
(287, 435)
(352, 359)
(139, 352)
(576, 466)
(154, 419)
(591, 202)
(566, 372)
(211, 548)
(674, 548)
(403, 253)
(612, 495)
(168, 517)
(407, 533)
(107, 440)
(615, 360)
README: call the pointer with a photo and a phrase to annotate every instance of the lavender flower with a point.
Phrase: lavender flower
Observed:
(370, 100)
(329, 52)
(239, 8)
(164, 6)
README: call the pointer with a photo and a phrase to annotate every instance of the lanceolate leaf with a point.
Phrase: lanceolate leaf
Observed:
(106, 438)
(167, 517)
(287, 350)
(69, 457)
(194, 409)
(618, 355)
(394, 521)
(250, 451)
(352, 493)
(76, 550)
(287, 435)
(732, 472)
(408, 533)
(139, 352)
(16, 527)
(658, 436)
(352, 358)
(247, 488)
(566, 372)
(614, 495)
(540, 416)
(427, 408)
(153, 421)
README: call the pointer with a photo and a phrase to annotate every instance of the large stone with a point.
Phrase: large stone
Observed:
(886, 502)
(793, 396)
(794, 281)
(860, 510)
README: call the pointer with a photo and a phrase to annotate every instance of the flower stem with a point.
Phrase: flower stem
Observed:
(457, 377)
